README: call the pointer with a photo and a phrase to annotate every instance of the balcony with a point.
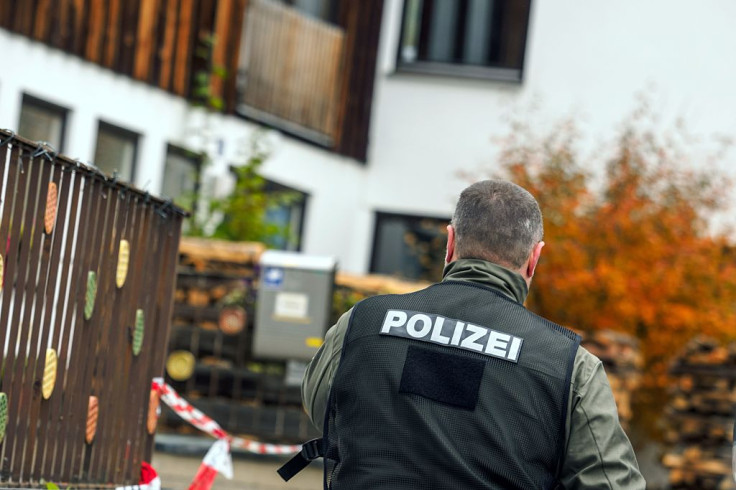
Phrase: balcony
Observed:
(290, 74)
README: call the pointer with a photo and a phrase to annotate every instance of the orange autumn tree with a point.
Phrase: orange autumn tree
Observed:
(631, 248)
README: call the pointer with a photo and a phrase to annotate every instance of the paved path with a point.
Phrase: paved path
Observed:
(251, 473)
(177, 461)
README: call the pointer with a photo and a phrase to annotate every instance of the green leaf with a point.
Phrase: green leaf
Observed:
(217, 103)
(219, 71)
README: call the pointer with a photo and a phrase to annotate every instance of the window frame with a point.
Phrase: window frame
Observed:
(43, 104)
(197, 159)
(125, 133)
(273, 186)
(457, 70)
(378, 215)
(332, 11)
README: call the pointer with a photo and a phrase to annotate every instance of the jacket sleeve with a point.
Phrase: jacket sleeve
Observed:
(321, 370)
(599, 455)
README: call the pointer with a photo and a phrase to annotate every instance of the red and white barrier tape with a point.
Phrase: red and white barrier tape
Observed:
(149, 479)
(206, 424)
(217, 460)
(262, 448)
(186, 411)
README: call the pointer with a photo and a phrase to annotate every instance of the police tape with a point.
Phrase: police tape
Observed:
(206, 424)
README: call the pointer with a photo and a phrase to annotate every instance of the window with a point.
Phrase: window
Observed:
(262, 210)
(42, 121)
(412, 247)
(287, 215)
(116, 151)
(473, 38)
(181, 177)
(320, 9)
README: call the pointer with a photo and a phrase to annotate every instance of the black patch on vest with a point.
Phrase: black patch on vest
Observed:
(442, 377)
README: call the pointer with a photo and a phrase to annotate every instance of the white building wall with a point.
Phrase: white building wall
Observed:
(589, 58)
(92, 93)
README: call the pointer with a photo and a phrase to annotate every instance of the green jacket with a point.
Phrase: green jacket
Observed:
(598, 456)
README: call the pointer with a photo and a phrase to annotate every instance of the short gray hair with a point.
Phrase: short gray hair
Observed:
(498, 221)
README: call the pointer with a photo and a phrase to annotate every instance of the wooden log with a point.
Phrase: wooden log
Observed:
(377, 284)
(198, 297)
(166, 51)
(145, 39)
(222, 32)
(96, 22)
(221, 251)
(184, 46)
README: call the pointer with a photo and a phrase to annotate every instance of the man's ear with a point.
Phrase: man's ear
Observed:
(534, 259)
(450, 244)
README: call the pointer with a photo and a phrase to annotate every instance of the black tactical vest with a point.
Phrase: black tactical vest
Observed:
(452, 387)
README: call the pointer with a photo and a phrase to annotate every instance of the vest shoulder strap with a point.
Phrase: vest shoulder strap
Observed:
(311, 450)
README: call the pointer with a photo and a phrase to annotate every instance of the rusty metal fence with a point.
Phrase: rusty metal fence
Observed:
(88, 269)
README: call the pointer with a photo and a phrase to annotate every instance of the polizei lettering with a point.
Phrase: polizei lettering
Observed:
(453, 333)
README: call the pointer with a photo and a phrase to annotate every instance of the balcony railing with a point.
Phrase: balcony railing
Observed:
(291, 72)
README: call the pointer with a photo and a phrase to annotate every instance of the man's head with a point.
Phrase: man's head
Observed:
(498, 221)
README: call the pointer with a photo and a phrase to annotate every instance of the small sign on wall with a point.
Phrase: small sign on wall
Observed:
(292, 307)
(273, 277)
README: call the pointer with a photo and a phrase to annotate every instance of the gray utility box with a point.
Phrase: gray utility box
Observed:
(293, 307)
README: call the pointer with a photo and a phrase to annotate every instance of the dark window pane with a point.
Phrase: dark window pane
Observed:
(412, 247)
(443, 30)
(181, 177)
(288, 215)
(41, 121)
(484, 34)
(116, 151)
(319, 9)
(284, 216)
(478, 32)
(410, 40)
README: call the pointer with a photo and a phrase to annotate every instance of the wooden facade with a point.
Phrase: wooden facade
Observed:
(75, 381)
(321, 90)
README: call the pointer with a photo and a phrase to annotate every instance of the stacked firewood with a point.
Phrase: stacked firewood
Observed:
(206, 255)
(623, 362)
(700, 417)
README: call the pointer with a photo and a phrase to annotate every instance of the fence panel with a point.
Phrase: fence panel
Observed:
(83, 324)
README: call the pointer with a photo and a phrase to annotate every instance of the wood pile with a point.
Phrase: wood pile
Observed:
(377, 284)
(211, 364)
(623, 362)
(204, 254)
(209, 360)
(700, 417)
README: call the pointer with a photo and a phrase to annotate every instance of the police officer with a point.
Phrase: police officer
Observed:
(458, 386)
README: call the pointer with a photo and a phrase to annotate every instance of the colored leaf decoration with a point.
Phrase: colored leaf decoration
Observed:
(123, 261)
(49, 374)
(138, 332)
(89, 304)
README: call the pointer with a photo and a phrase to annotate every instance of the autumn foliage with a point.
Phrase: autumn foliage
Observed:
(631, 248)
